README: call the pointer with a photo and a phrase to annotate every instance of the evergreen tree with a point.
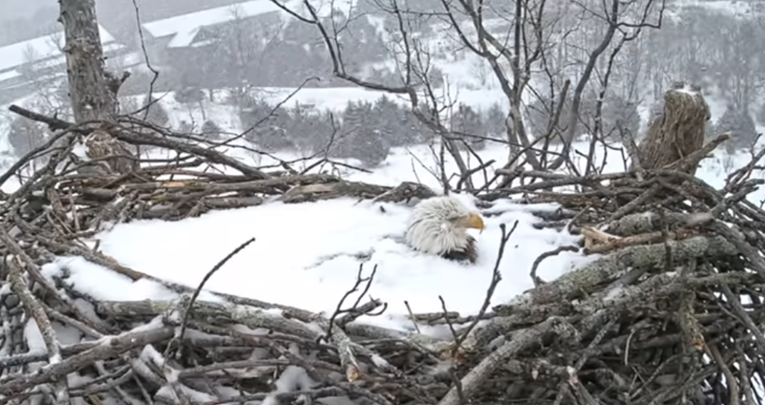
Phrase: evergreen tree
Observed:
(740, 124)
(210, 130)
(761, 114)
(360, 140)
(25, 135)
(495, 122)
(386, 120)
(469, 127)
(189, 95)
(157, 114)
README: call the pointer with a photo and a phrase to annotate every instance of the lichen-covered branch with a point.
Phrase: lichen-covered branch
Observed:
(572, 284)
(208, 312)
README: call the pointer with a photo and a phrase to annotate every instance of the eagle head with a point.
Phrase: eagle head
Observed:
(438, 226)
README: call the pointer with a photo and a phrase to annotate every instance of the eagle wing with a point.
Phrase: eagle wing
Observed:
(469, 253)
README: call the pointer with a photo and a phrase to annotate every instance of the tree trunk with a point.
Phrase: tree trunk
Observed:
(93, 91)
(91, 97)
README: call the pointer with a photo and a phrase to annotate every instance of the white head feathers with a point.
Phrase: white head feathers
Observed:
(438, 226)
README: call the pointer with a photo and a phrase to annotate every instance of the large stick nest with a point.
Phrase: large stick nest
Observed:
(669, 311)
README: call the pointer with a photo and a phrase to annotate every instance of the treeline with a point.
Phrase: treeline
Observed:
(367, 131)
(363, 130)
(741, 126)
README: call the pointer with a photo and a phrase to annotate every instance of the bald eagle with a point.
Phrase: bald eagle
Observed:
(438, 226)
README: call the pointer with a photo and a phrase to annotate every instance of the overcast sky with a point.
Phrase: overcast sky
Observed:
(24, 8)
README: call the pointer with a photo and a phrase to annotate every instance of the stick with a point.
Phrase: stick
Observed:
(111, 347)
(537, 281)
(36, 310)
(189, 306)
(496, 277)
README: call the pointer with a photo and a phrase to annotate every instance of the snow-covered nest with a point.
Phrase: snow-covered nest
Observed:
(308, 256)
(114, 305)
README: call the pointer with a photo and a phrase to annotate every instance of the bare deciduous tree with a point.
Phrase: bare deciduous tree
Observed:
(516, 43)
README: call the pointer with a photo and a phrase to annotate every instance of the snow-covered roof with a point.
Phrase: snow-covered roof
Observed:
(9, 75)
(42, 48)
(733, 8)
(185, 27)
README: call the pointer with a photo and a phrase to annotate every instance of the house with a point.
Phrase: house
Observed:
(24, 62)
(187, 43)
(183, 31)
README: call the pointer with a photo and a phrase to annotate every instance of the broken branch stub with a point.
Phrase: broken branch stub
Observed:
(678, 131)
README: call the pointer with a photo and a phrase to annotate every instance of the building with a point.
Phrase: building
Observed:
(188, 30)
(24, 62)
(187, 43)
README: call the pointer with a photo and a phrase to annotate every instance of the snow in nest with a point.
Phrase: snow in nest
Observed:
(106, 285)
(308, 255)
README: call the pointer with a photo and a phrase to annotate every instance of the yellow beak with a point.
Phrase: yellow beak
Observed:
(472, 221)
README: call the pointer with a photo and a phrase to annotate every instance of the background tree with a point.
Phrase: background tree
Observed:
(211, 130)
(25, 135)
(360, 138)
(543, 26)
(739, 124)
(156, 113)
(467, 126)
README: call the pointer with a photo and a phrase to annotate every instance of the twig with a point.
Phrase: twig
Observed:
(339, 310)
(190, 305)
(36, 310)
(411, 316)
(496, 277)
(732, 382)
(537, 281)
(111, 346)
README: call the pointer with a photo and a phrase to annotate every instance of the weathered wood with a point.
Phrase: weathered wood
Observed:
(111, 347)
(522, 341)
(406, 192)
(86, 68)
(208, 312)
(327, 191)
(678, 131)
(93, 98)
(576, 282)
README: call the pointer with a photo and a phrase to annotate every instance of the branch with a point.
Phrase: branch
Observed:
(207, 276)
